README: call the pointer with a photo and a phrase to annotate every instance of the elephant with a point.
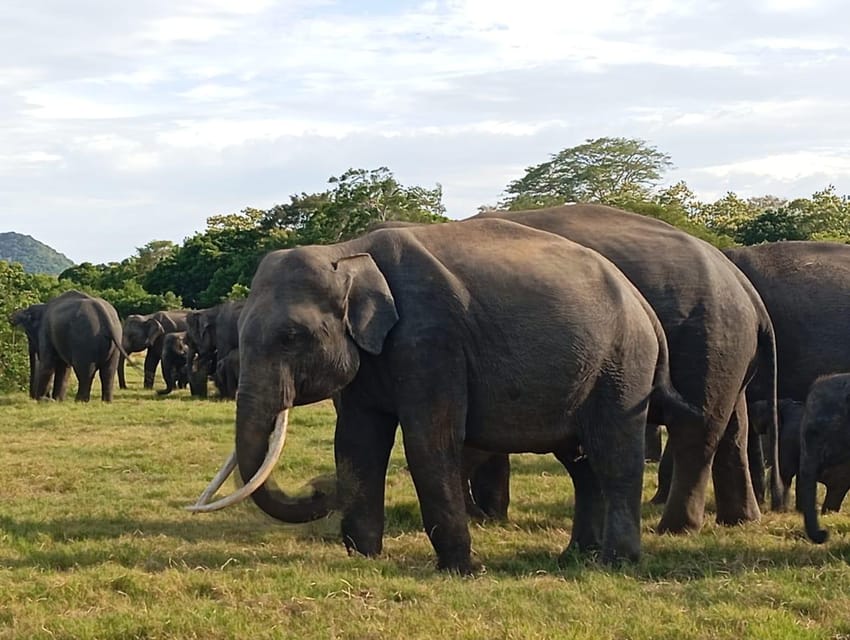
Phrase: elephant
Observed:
(790, 419)
(173, 363)
(806, 288)
(211, 335)
(227, 374)
(431, 327)
(147, 332)
(29, 318)
(82, 332)
(719, 334)
(652, 442)
(824, 448)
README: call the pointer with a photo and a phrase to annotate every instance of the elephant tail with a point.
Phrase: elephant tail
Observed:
(767, 361)
(667, 406)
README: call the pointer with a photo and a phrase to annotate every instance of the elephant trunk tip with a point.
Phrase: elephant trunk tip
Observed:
(818, 536)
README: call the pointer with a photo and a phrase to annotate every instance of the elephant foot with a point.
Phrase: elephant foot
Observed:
(678, 524)
(461, 564)
(164, 392)
(734, 517)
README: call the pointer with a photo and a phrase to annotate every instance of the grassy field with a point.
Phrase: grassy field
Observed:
(94, 543)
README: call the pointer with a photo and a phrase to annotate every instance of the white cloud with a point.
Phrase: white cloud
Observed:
(174, 111)
(789, 166)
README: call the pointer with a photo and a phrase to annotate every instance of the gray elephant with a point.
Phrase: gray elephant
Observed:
(719, 334)
(806, 289)
(430, 327)
(29, 319)
(211, 335)
(173, 364)
(824, 448)
(147, 332)
(82, 332)
(227, 374)
(790, 419)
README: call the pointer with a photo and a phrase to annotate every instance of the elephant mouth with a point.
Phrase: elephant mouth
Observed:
(276, 442)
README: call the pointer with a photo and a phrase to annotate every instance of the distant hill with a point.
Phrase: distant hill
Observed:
(35, 256)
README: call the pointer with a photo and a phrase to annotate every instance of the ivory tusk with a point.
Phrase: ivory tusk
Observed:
(220, 478)
(276, 442)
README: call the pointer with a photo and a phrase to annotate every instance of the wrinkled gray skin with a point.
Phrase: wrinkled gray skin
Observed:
(147, 332)
(29, 319)
(790, 419)
(719, 334)
(173, 363)
(211, 335)
(429, 327)
(824, 445)
(227, 374)
(81, 332)
(806, 289)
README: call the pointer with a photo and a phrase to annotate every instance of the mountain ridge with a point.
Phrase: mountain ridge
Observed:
(34, 255)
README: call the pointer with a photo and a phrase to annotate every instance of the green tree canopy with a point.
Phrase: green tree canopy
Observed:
(356, 200)
(607, 170)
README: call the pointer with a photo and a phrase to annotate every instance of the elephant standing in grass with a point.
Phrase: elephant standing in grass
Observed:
(211, 335)
(29, 319)
(430, 327)
(790, 420)
(78, 331)
(806, 289)
(824, 449)
(174, 369)
(147, 332)
(227, 374)
(719, 334)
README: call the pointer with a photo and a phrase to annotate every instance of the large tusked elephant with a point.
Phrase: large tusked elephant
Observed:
(82, 332)
(824, 447)
(147, 332)
(432, 327)
(719, 334)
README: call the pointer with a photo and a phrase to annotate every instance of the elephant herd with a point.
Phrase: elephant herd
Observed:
(77, 331)
(563, 330)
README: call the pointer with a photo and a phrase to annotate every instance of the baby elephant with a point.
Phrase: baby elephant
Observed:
(824, 447)
(174, 368)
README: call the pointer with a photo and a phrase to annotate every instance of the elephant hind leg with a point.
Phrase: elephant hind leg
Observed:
(588, 511)
(733, 487)
(107, 377)
(85, 378)
(837, 485)
(61, 376)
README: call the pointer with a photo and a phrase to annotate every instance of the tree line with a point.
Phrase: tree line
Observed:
(218, 263)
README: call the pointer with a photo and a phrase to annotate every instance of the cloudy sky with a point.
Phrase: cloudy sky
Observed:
(124, 122)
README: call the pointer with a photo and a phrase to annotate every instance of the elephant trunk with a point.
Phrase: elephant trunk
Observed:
(259, 416)
(807, 490)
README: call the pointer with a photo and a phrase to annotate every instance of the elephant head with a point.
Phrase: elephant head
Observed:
(201, 338)
(306, 320)
(29, 319)
(134, 336)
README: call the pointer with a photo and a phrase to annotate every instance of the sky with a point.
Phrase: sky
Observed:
(126, 122)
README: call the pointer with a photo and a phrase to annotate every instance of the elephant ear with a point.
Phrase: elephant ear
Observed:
(155, 330)
(369, 306)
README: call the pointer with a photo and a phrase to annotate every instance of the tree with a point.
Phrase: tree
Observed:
(356, 200)
(608, 170)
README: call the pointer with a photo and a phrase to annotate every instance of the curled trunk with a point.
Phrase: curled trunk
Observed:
(255, 418)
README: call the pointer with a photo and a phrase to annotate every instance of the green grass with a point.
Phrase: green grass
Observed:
(94, 543)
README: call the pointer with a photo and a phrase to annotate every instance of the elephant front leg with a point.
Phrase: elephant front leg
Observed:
(362, 444)
(151, 361)
(433, 445)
